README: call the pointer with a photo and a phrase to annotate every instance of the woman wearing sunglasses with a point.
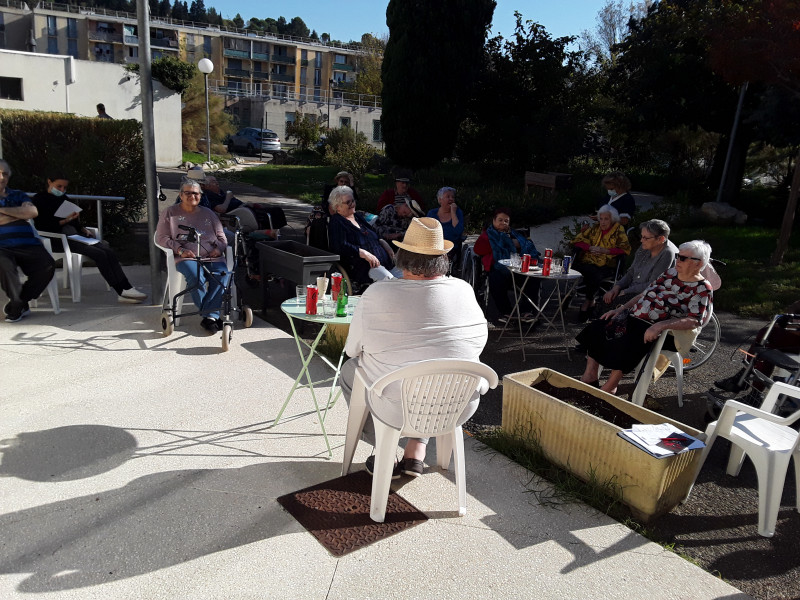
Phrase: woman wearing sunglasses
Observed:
(680, 299)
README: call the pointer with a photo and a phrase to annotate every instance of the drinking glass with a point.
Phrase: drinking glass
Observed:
(555, 267)
(328, 309)
(515, 261)
(300, 295)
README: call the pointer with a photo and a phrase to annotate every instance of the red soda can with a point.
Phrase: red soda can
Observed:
(548, 253)
(534, 262)
(526, 263)
(336, 285)
(565, 265)
(312, 295)
(546, 266)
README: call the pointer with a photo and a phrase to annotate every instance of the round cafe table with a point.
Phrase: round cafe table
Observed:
(297, 312)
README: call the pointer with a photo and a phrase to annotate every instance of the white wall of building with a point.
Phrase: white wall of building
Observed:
(62, 84)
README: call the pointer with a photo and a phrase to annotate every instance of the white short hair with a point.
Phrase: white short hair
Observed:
(607, 208)
(337, 196)
(698, 249)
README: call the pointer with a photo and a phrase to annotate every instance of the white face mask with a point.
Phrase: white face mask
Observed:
(56, 192)
(612, 193)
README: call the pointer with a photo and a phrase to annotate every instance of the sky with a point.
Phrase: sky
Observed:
(347, 20)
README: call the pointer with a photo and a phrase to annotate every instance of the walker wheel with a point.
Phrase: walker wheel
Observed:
(166, 324)
(248, 316)
(227, 335)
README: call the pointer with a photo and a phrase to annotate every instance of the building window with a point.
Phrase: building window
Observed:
(377, 131)
(303, 54)
(72, 48)
(104, 53)
(2, 32)
(207, 45)
(72, 29)
(52, 26)
(318, 60)
(133, 51)
(52, 36)
(303, 74)
(10, 88)
(317, 77)
(279, 51)
(190, 40)
(339, 59)
(344, 122)
(317, 94)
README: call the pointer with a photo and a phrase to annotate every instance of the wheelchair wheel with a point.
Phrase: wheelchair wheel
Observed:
(247, 314)
(704, 345)
(227, 335)
(166, 324)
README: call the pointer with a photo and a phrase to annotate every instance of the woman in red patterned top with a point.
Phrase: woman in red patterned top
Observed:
(679, 299)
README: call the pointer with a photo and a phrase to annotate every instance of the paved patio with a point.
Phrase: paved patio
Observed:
(138, 466)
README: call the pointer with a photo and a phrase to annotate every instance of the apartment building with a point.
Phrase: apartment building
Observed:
(264, 78)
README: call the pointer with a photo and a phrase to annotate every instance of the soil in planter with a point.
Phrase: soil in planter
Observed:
(588, 403)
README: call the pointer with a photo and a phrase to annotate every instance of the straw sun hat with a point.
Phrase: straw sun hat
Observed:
(424, 236)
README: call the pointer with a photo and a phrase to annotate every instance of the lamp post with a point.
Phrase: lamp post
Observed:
(330, 93)
(206, 66)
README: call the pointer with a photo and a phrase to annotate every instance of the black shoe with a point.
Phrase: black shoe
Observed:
(369, 465)
(210, 325)
(15, 314)
(412, 467)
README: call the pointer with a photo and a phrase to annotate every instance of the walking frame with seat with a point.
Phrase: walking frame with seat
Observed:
(434, 395)
(769, 442)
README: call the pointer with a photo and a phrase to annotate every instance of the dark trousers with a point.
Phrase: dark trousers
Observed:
(501, 282)
(593, 276)
(38, 266)
(106, 261)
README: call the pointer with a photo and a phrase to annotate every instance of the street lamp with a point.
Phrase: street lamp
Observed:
(206, 66)
(330, 93)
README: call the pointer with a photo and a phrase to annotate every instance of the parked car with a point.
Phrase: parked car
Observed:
(250, 138)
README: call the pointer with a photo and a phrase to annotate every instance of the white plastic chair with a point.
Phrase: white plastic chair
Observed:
(769, 442)
(434, 395)
(176, 282)
(72, 268)
(52, 287)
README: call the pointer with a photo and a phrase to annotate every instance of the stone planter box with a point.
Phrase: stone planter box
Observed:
(582, 443)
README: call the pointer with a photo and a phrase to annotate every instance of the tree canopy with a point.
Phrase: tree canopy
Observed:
(428, 72)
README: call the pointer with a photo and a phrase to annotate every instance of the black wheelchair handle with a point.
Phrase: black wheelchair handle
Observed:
(187, 228)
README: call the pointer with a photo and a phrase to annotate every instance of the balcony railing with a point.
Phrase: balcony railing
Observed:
(260, 56)
(105, 36)
(236, 53)
(131, 39)
(282, 58)
(339, 98)
(281, 77)
(237, 72)
(164, 43)
(343, 67)
(260, 75)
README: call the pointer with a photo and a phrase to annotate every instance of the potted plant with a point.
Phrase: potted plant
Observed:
(588, 446)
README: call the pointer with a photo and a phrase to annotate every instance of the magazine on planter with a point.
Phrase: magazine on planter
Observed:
(661, 440)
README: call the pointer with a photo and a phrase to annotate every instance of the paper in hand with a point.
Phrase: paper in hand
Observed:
(66, 209)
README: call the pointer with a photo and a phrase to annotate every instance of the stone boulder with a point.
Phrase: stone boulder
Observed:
(722, 213)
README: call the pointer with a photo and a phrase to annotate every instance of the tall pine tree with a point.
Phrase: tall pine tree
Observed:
(430, 65)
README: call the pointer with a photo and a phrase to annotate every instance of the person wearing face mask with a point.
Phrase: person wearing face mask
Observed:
(47, 203)
(617, 188)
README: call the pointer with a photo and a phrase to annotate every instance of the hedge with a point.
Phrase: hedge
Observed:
(100, 157)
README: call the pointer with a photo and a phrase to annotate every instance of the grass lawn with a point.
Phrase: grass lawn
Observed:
(750, 287)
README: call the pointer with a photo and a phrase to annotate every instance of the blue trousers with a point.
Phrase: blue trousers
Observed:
(208, 300)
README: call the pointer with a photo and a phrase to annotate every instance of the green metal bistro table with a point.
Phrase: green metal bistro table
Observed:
(297, 312)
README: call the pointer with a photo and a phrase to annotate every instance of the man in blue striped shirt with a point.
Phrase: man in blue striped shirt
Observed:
(20, 247)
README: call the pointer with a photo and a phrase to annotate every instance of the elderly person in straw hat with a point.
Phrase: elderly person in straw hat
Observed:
(424, 315)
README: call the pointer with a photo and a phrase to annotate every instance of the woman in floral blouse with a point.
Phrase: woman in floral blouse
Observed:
(680, 299)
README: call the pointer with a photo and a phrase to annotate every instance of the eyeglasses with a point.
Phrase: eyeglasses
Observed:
(683, 258)
(647, 239)
(191, 193)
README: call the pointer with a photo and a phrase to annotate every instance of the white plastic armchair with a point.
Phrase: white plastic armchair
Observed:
(72, 268)
(769, 442)
(434, 395)
(52, 287)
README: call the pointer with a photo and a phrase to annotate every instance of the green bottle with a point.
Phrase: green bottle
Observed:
(341, 301)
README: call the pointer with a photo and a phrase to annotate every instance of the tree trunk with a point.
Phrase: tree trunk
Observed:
(788, 217)
(736, 168)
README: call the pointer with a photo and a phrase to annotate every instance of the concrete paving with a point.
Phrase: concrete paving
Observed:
(139, 466)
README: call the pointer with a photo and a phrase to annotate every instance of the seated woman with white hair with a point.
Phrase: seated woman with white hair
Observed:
(680, 299)
(602, 245)
(358, 245)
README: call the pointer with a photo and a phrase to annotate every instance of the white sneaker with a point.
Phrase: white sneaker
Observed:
(125, 300)
(134, 294)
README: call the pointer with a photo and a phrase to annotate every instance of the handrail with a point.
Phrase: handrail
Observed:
(99, 200)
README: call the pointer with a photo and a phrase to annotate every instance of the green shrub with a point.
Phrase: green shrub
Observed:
(349, 151)
(101, 157)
